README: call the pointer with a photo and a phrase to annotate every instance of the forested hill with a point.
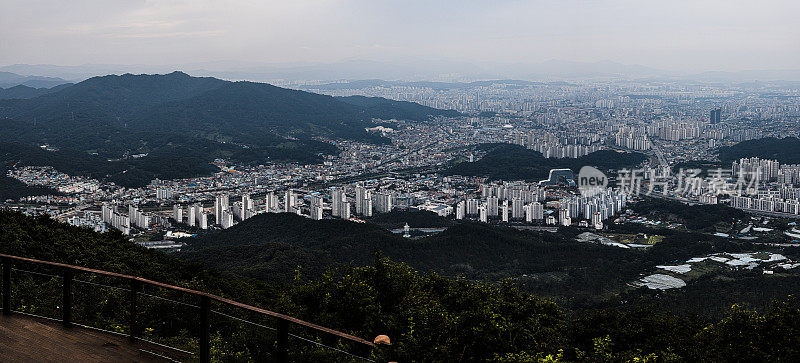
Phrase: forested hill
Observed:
(166, 163)
(13, 189)
(204, 106)
(514, 162)
(23, 91)
(274, 246)
(271, 246)
(175, 116)
(427, 316)
(278, 247)
(786, 150)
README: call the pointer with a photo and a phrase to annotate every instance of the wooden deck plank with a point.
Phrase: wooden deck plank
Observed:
(24, 339)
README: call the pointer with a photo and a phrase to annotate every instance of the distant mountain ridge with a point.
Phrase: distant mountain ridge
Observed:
(8, 79)
(409, 70)
(179, 102)
(176, 116)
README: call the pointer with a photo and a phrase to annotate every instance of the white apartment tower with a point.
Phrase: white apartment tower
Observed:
(220, 205)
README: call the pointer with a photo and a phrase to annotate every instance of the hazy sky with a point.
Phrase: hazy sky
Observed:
(669, 34)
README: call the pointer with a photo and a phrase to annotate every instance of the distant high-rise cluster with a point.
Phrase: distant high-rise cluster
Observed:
(340, 207)
(674, 130)
(383, 202)
(112, 216)
(767, 185)
(137, 218)
(316, 204)
(196, 215)
(523, 202)
(89, 220)
(271, 203)
(244, 209)
(164, 193)
(220, 206)
(766, 171)
(363, 201)
(634, 139)
(505, 201)
(715, 116)
(567, 145)
(785, 200)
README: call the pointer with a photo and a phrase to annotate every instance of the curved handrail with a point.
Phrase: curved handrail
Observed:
(197, 293)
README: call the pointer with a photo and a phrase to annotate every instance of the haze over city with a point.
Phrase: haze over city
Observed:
(399, 181)
(471, 39)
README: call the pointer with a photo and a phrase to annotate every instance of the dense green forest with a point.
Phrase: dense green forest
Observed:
(430, 317)
(172, 161)
(273, 247)
(133, 172)
(698, 217)
(204, 107)
(786, 150)
(514, 162)
(183, 123)
(415, 218)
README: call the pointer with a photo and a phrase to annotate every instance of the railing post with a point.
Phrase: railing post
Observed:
(205, 329)
(134, 325)
(66, 313)
(6, 286)
(283, 341)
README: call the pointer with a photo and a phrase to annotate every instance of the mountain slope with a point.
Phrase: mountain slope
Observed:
(133, 172)
(247, 107)
(8, 79)
(108, 99)
(176, 115)
(23, 91)
(179, 102)
(786, 150)
(271, 246)
(11, 188)
(427, 316)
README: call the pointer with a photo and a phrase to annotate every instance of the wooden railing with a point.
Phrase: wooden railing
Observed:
(205, 299)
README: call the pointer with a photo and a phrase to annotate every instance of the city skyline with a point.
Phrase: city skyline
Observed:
(399, 181)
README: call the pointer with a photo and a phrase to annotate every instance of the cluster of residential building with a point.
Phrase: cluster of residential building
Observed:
(767, 171)
(47, 176)
(559, 146)
(88, 220)
(193, 215)
(767, 203)
(674, 122)
(531, 203)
